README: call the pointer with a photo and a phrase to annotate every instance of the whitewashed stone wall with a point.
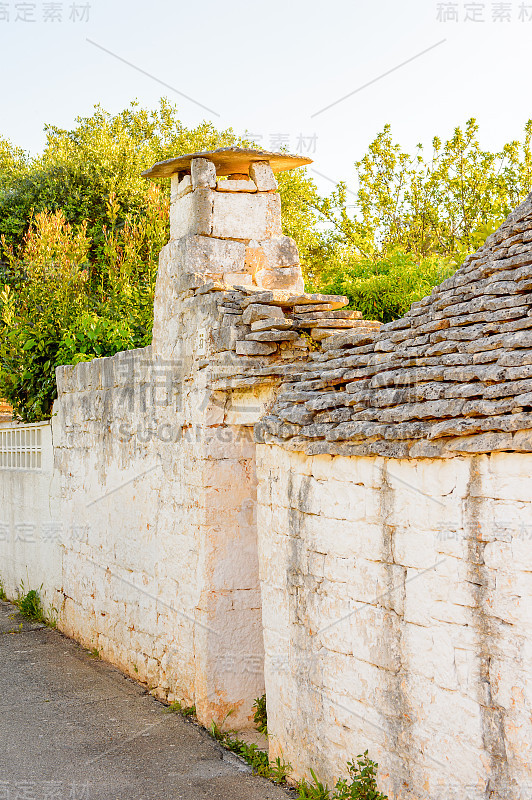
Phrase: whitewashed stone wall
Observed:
(397, 609)
(163, 575)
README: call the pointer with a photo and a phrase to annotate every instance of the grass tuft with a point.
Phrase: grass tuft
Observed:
(29, 604)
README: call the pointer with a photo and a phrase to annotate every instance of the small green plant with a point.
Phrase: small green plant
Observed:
(94, 652)
(3, 595)
(216, 732)
(361, 785)
(258, 759)
(279, 770)
(363, 777)
(51, 619)
(177, 708)
(260, 717)
(315, 791)
(312, 343)
(29, 604)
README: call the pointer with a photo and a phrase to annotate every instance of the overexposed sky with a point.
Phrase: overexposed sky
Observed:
(270, 68)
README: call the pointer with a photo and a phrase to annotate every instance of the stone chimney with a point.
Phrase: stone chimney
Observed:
(226, 245)
(225, 218)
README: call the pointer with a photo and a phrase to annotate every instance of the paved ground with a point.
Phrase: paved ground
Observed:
(74, 728)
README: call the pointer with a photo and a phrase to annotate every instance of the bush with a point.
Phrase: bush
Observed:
(384, 289)
(361, 784)
(59, 308)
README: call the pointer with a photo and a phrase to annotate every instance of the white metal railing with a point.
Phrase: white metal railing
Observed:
(21, 447)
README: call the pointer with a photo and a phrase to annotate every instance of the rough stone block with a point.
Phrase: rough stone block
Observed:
(322, 333)
(308, 309)
(280, 252)
(339, 323)
(296, 414)
(483, 443)
(257, 311)
(179, 188)
(272, 324)
(303, 313)
(192, 214)
(272, 336)
(278, 297)
(255, 257)
(246, 216)
(238, 278)
(204, 255)
(255, 349)
(236, 186)
(283, 278)
(262, 174)
(522, 441)
(203, 173)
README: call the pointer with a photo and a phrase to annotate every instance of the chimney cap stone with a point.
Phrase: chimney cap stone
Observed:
(227, 160)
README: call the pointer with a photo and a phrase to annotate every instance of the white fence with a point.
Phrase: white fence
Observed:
(29, 552)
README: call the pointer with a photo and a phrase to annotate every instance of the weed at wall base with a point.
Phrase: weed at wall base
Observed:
(260, 717)
(29, 604)
(361, 784)
(177, 708)
(276, 771)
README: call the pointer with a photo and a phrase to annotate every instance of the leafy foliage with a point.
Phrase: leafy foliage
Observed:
(444, 203)
(260, 717)
(313, 791)
(177, 708)
(58, 308)
(385, 288)
(80, 234)
(416, 217)
(361, 784)
(104, 156)
(275, 771)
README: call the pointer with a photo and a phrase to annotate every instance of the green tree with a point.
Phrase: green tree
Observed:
(444, 203)
(104, 155)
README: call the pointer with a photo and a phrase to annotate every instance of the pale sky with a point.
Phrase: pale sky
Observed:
(267, 68)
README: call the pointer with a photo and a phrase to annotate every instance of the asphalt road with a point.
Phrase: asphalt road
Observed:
(74, 728)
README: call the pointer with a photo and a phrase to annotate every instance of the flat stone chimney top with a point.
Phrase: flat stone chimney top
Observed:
(228, 161)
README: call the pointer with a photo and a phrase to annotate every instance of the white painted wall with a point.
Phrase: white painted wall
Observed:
(397, 610)
(160, 572)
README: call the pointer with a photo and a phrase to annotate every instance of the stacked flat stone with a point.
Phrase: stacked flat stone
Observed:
(272, 328)
(453, 376)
